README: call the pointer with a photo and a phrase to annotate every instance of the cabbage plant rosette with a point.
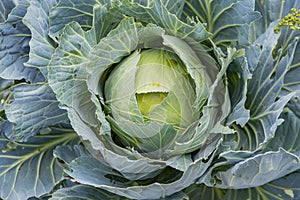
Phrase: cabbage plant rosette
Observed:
(151, 113)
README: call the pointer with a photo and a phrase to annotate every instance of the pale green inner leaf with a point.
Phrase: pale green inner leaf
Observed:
(148, 101)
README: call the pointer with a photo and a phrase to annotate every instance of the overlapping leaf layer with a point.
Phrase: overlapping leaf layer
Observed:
(74, 119)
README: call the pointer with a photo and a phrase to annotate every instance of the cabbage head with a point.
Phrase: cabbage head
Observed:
(149, 99)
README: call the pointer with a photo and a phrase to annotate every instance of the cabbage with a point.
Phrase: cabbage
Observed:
(149, 99)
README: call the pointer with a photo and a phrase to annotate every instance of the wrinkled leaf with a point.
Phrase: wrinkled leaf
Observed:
(227, 20)
(14, 47)
(5, 92)
(159, 13)
(67, 73)
(263, 90)
(34, 107)
(287, 135)
(83, 170)
(41, 45)
(120, 42)
(84, 192)
(286, 188)
(5, 9)
(238, 75)
(80, 11)
(29, 169)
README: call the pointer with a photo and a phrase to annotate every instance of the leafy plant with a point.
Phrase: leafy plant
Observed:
(147, 99)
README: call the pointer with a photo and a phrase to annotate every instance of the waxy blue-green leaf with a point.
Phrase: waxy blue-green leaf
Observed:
(286, 188)
(119, 42)
(245, 166)
(257, 170)
(41, 45)
(292, 82)
(104, 21)
(238, 75)
(83, 170)
(5, 9)
(67, 71)
(5, 92)
(161, 14)
(67, 153)
(84, 192)
(226, 20)
(33, 107)
(175, 7)
(80, 11)
(264, 88)
(14, 47)
(29, 169)
(287, 134)
(88, 192)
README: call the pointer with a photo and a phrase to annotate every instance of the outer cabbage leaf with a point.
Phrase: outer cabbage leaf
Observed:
(292, 83)
(287, 135)
(273, 11)
(84, 168)
(41, 45)
(284, 188)
(14, 48)
(238, 75)
(263, 90)
(33, 107)
(84, 192)
(29, 169)
(67, 73)
(250, 170)
(4, 92)
(5, 9)
(80, 11)
(227, 20)
(89, 192)
(245, 165)
(161, 14)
